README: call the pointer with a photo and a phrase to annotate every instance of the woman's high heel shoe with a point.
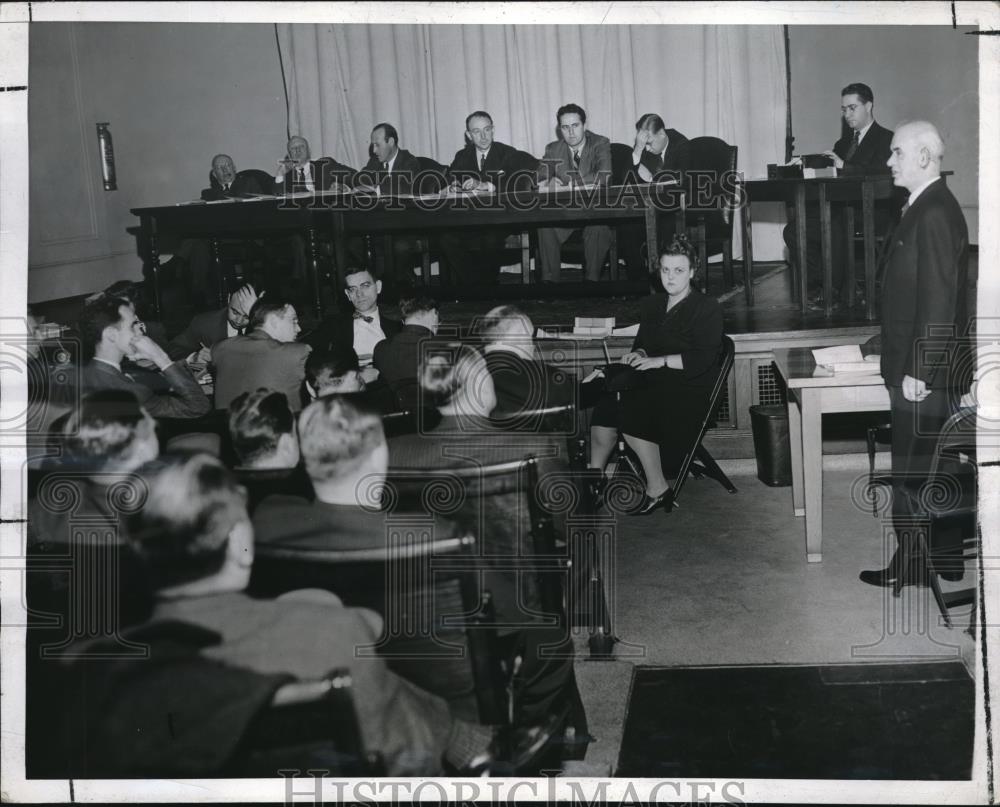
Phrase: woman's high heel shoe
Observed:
(650, 504)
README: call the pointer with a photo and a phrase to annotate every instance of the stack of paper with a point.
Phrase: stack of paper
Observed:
(594, 326)
(846, 359)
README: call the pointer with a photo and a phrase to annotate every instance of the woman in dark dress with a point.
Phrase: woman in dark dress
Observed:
(676, 354)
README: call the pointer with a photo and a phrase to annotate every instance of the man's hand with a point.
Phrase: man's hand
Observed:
(284, 166)
(633, 357)
(642, 137)
(145, 348)
(369, 374)
(243, 299)
(200, 358)
(470, 184)
(645, 174)
(837, 162)
(914, 389)
(650, 363)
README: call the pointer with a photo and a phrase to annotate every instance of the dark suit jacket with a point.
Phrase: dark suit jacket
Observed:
(523, 384)
(506, 167)
(674, 159)
(184, 398)
(205, 328)
(399, 180)
(245, 363)
(397, 358)
(325, 172)
(338, 329)
(924, 287)
(243, 183)
(595, 161)
(872, 154)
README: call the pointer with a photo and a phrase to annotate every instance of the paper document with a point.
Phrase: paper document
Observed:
(846, 359)
(626, 330)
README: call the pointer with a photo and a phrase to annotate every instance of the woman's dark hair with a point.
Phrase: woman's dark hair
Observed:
(680, 245)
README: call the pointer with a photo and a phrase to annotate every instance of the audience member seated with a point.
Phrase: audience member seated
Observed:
(457, 381)
(198, 543)
(264, 440)
(194, 343)
(521, 379)
(110, 332)
(104, 440)
(337, 373)
(363, 328)
(344, 449)
(675, 362)
(268, 356)
(397, 357)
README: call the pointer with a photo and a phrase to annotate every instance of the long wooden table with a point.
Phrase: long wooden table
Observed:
(809, 398)
(341, 214)
(821, 191)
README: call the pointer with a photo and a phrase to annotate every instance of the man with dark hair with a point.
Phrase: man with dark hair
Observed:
(657, 148)
(926, 361)
(198, 543)
(397, 357)
(579, 157)
(364, 328)
(390, 169)
(111, 331)
(194, 343)
(521, 379)
(334, 372)
(268, 356)
(863, 150)
(485, 165)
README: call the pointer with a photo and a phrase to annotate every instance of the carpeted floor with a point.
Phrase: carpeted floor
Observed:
(851, 721)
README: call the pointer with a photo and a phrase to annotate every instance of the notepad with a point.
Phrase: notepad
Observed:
(846, 359)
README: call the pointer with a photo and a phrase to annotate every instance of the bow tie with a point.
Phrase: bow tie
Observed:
(359, 315)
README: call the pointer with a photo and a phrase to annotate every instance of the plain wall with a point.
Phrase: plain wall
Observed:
(915, 72)
(175, 95)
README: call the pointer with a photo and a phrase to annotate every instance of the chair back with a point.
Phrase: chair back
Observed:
(438, 627)
(307, 724)
(727, 355)
(264, 179)
(433, 176)
(395, 424)
(621, 163)
(708, 160)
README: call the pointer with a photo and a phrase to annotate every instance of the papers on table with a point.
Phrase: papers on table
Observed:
(845, 359)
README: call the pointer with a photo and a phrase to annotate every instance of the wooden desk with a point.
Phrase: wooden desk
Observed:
(340, 214)
(822, 191)
(809, 398)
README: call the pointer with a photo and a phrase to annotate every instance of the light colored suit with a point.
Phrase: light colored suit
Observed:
(595, 168)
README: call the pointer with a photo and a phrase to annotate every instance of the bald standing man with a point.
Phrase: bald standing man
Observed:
(926, 364)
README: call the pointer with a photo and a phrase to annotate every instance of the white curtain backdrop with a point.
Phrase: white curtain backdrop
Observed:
(725, 81)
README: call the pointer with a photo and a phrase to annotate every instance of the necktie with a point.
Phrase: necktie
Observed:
(385, 166)
(576, 159)
(226, 188)
(482, 163)
(359, 315)
(300, 176)
(854, 146)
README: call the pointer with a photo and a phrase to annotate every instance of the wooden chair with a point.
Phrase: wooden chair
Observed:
(711, 204)
(439, 629)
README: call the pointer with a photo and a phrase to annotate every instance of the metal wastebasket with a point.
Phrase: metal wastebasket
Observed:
(770, 445)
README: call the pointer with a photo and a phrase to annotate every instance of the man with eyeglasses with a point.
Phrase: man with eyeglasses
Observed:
(363, 328)
(111, 331)
(484, 166)
(863, 150)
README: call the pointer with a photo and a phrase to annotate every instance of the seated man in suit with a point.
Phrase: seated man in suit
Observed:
(484, 165)
(197, 542)
(337, 372)
(390, 170)
(268, 356)
(194, 343)
(364, 328)
(657, 149)
(579, 157)
(397, 358)
(864, 151)
(266, 445)
(521, 379)
(297, 172)
(226, 183)
(111, 331)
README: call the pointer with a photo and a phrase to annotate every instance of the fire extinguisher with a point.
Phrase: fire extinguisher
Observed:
(107, 156)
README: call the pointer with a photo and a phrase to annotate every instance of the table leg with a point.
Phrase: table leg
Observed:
(800, 241)
(849, 278)
(652, 245)
(868, 224)
(220, 289)
(747, 252)
(525, 257)
(826, 247)
(314, 269)
(339, 248)
(812, 472)
(153, 261)
(795, 446)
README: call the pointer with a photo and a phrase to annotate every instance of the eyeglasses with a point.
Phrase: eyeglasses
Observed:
(353, 291)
